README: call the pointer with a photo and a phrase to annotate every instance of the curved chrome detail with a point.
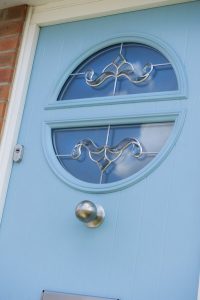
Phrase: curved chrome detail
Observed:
(120, 67)
(89, 213)
(103, 156)
(125, 69)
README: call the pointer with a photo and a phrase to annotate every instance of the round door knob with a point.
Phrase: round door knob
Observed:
(89, 213)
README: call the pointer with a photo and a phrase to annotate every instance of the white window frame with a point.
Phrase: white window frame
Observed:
(39, 16)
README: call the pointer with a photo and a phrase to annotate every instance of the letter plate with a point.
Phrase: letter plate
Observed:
(62, 296)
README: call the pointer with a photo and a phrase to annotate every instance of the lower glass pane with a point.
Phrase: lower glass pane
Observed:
(107, 154)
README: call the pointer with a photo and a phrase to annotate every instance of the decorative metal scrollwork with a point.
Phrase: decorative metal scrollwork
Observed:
(120, 67)
(105, 155)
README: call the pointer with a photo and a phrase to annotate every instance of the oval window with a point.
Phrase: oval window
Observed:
(106, 153)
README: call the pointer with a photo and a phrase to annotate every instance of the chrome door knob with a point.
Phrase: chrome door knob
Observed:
(89, 213)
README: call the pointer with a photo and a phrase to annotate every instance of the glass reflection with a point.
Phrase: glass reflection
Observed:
(126, 68)
(109, 153)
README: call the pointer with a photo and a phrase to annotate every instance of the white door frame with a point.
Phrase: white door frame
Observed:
(43, 15)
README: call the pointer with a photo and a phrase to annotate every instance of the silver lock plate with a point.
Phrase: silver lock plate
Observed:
(18, 153)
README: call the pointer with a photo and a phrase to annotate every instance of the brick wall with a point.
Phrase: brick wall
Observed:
(11, 28)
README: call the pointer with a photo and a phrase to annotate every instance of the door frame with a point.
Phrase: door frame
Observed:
(39, 16)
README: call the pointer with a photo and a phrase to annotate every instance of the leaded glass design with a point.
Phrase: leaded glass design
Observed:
(107, 154)
(120, 69)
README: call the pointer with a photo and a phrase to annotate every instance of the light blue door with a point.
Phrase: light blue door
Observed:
(148, 246)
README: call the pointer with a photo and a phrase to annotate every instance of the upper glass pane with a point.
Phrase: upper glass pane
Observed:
(121, 69)
(107, 154)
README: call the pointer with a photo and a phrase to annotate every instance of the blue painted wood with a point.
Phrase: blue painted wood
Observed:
(149, 245)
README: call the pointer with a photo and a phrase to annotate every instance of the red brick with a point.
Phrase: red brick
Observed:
(9, 43)
(12, 13)
(4, 91)
(7, 59)
(11, 26)
(1, 14)
(6, 75)
(1, 126)
(3, 107)
(8, 28)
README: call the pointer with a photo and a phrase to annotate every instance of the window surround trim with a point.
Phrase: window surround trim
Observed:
(55, 122)
(142, 38)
